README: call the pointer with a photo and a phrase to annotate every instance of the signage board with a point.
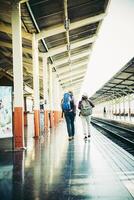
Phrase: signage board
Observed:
(6, 112)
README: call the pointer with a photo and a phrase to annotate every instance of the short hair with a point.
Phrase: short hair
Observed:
(71, 92)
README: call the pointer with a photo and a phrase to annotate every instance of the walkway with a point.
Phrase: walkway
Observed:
(56, 169)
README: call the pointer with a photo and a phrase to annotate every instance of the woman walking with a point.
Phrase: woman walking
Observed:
(85, 105)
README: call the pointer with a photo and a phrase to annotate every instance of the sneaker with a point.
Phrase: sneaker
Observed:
(85, 137)
(70, 138)
(89, 136)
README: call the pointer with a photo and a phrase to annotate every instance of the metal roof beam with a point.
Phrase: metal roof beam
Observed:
(7, 29)
(76, 67)
(63, 48)
(73, 83)
(131, 89)
(73, 57)
(72, 74)
(71, 79)
(9, 45)
(60, 29)
(52, 51)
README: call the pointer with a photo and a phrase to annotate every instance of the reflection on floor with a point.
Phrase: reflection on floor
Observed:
(53, 168)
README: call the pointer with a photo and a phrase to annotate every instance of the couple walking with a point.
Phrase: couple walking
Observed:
(69, 109)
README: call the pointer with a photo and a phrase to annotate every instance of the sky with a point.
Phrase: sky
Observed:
(114, 46)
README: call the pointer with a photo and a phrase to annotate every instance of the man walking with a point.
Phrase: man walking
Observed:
(69, 110)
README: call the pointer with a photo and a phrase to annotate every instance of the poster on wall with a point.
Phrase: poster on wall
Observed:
(6, 112)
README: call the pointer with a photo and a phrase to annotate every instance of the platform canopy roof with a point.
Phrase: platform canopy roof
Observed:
(121, 84)
(66, 31)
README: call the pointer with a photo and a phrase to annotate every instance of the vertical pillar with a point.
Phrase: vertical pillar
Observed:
(108, 110)
(124, 106)
(112, 109)
(25, 104)
(45, 91)
(129, 107)
(50, 97)
(56, 98)
(113, 105)
(119, 107)
(60, 96)
(18, 77)
(36, 87)
(25, 111)
(115, 108)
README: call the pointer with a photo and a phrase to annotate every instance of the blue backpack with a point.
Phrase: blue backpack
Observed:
(66, 102)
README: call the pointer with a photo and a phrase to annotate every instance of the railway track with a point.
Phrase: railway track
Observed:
(122, 136)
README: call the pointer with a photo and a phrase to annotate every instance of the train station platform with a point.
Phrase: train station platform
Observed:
(53, 168)
(45, 50)
(119, 122)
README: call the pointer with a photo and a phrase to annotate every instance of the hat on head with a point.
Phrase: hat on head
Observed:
(85, 95)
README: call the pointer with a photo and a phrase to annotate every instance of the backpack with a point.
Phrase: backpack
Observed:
(66, 102)
(86, 108)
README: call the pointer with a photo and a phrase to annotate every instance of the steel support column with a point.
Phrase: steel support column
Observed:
(45, 91)
(50, 96)
(56, 98)
(36, 87)
(18, 76)
(129, 107)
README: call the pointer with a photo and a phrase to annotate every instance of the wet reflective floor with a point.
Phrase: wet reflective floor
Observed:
(53, 168)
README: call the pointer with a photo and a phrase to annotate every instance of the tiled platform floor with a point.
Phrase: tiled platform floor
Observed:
(53, 168)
